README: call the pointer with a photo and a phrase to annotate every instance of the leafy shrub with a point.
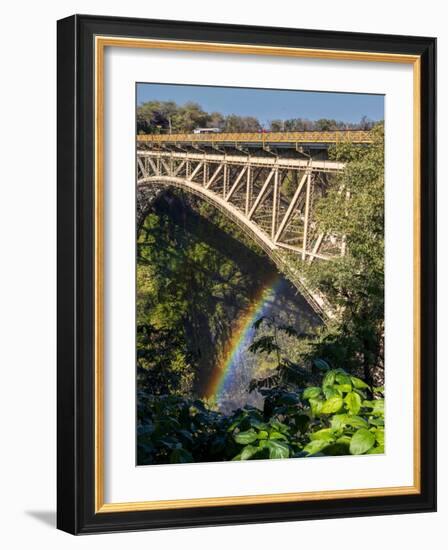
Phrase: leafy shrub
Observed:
(336, 417)
(342, 419)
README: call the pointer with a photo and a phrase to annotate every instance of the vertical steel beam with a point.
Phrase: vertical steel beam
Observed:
(224, 180)
(248, 189)
(307, 216)
(205, 173)
(274, 205)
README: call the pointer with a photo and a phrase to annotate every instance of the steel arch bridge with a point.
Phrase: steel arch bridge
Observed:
(271, 198)
(267, 184)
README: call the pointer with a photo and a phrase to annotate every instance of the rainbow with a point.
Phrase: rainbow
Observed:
(242, 333)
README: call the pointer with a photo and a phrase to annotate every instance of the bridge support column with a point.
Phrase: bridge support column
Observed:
(205, 173)
(307, 216)
(248, 189)
(225, 178)
(274, 205)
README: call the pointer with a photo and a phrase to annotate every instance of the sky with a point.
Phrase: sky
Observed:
(268, 105)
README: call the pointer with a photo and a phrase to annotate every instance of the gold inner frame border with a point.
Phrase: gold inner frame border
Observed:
(101, 42)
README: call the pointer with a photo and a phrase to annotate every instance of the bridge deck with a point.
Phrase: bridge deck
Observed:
(269, 162)
(355, 136)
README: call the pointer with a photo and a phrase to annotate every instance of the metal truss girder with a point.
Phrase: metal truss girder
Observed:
(277, 221)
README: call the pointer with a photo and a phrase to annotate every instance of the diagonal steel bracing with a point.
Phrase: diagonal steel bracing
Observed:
(271, 197)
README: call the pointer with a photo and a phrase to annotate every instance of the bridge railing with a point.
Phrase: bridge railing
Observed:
(354, 136)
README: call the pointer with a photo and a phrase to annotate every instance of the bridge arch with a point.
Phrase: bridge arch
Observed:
(218, 202)
(316, 300)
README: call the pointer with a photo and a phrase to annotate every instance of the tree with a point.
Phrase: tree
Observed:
(236, 123)
(325, 125)
(353, 209)
(155, 116)
(189, 117)
(216, 120)
(277, 125)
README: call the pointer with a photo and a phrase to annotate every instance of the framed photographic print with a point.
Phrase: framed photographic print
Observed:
(246, 274)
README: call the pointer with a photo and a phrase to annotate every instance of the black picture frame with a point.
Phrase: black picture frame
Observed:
(76, 271)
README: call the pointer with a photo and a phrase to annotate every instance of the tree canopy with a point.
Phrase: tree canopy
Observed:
(169, 117)
(353, 209)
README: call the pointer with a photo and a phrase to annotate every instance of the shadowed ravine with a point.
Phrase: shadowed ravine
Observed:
(229, 283)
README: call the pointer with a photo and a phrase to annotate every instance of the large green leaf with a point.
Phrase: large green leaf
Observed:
(312, 392)
(338, 421)
(256, 423)
(361, 442)
(353, 402)
(316, 406)
(332, 405)
(343, 388)
(248, 451)
(279, 426)
(277, 449)
(357, 422)
(331, 391)
(358, 383)
(316, 446)
(329, 379)
(277, 435)
(379, 450)
(378, 407)
(342, 378)
(246, 437)
(379, 435)
(326, 434)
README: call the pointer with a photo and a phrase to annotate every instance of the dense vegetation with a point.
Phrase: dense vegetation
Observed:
(354, 207)
(195, 272)
(340, 416)
(323, 392)
(168, 116)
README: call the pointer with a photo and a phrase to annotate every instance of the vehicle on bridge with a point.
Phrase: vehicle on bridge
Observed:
(206, 131)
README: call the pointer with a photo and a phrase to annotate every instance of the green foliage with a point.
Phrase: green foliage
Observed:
(353, 210)
(168, 116)
(174, 429)
(188, 289)
(344, 421)
(284, 371)
(333, 418)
